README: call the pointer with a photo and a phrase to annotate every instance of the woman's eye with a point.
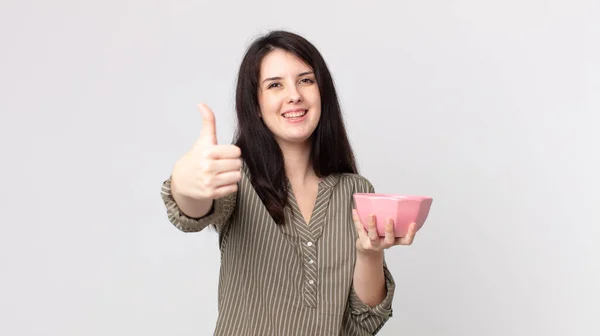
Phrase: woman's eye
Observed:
(307, 80)
(272, 85)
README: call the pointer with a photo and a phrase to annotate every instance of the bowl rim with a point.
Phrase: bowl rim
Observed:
(392, 196)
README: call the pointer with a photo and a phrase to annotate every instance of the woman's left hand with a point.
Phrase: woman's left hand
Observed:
(369, 240)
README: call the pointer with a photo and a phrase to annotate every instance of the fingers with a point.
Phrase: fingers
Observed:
(358, 224)
(208, 132)
(225, 165)
(225, 190)
(215, 186)
(221, 166)
(208, 170)
(227, 178)
(372, 231)
(222, 152)
(409, 237)
(390, 238)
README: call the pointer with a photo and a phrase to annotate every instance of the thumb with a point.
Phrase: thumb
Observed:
(208, 133)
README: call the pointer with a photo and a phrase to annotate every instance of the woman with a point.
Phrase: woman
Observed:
(295, 258)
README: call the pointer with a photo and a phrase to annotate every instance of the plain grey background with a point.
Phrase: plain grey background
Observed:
(491, 107)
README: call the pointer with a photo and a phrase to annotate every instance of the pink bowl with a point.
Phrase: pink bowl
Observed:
(403, 209)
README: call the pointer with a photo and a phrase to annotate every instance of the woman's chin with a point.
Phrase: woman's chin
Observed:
(295, 139)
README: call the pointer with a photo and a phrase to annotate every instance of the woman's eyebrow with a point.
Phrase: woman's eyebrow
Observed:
(279, 78)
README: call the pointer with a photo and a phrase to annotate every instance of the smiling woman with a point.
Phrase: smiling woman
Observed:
(290, 102)
(294, 259)
(283, 72)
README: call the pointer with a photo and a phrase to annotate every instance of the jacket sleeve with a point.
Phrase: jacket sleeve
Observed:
(218, 215)
(365, 317)
(372, 319)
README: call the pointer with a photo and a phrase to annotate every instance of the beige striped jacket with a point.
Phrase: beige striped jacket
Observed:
(294, 279)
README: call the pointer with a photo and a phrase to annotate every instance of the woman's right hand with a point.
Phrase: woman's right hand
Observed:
(209, 170)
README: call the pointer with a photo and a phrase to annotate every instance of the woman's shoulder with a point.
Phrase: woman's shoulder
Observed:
(357, 182)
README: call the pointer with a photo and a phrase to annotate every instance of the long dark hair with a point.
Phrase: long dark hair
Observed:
(331, 151)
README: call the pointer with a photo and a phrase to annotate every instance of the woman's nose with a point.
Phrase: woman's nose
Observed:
(294, 96)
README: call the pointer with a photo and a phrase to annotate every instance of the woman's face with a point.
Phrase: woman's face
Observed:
(288, 97)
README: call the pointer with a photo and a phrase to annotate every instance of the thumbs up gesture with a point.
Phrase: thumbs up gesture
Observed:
(209, 170)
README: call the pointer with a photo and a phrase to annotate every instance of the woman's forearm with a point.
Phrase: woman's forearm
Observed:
(369, 278)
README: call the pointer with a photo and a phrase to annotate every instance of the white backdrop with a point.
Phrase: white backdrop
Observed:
(489, 107)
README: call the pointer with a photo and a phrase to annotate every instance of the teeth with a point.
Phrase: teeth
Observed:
(294, 114)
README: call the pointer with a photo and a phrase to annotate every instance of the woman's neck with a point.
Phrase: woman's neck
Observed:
(298, 165)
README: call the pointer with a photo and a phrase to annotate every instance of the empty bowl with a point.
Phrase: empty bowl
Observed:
(403, 209)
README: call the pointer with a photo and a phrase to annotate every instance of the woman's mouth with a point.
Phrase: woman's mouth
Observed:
(295, 114)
